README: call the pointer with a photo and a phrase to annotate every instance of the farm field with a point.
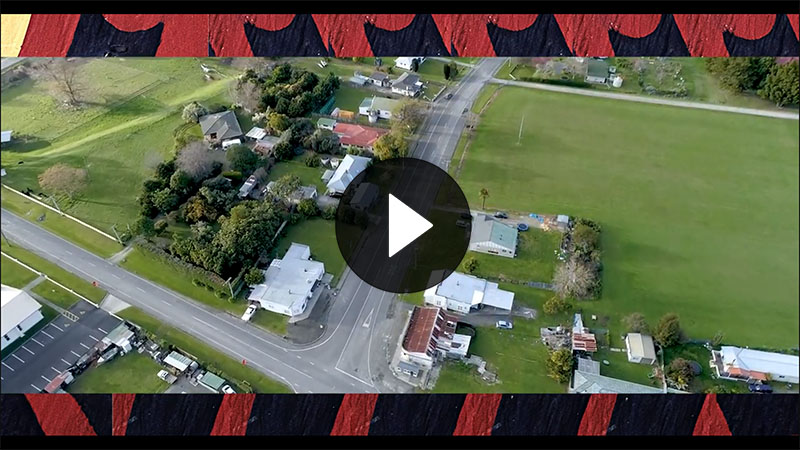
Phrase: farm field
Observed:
(124, 128)
(133, 373)
(699, 209)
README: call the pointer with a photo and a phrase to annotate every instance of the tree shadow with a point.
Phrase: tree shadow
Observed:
(25, 144)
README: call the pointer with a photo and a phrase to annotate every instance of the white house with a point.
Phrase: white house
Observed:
(379, 79)
(347, 170)
(493, 237)
(746, 364)
(407, 84)
(289, 282)
(378, 107)
(406, 62)
(640, 348)
(19, 313)
(463, 293)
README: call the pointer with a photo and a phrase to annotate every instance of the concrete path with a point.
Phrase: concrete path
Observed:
(33, 283)
(790, 115)
(120, 255)
(113, 304)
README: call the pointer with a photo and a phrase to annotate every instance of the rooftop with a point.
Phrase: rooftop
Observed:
(594, 383)
(597, 68)
(358, 135)
(380, 103)
(212, 380)
(406, 79)
(178, 361)
(223, 123)
(471, 290)
(289, 279)
(347, 170)
(17, 305)
(379, 76)
(486, 229)
(760, 361)
(420, 329)
(256, 133)
(641, 345)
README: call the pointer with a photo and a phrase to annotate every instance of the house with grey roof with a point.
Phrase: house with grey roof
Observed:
(587, 380)
(493, 237)
(379, 79)
(464, 293)
(597, 71)
(220, 126)
(407, 84)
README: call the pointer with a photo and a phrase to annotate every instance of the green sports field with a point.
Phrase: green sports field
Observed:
(699, 209)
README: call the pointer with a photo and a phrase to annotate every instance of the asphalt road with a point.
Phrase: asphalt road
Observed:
(348, 355)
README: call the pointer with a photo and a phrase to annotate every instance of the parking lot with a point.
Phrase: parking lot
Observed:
(54, 348)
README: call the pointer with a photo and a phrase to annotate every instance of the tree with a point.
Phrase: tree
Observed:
(414, 65)
(668, 331)
(308, 207)
(635, 323)
(241, 158)
(248, 94)
(390, 145)
(357, 59)
(299, 130)
(144, 226)
(679, 373)
(283, 150)
(278, 122)
(65, 76)
(409, 115)
(559, 365)
(199, 161)
(585, 237)
(180, 183)
(199, 209)
(329, 213)
(471, 264)
(165, 200)
(324, 141)
(193, 111)
(311, 160)
(243, 236)
(556, 305)
(781, 85)
(63, 179)
(286, 186)
(483, 195)
(254, 276)
(446, 68)
(165, 170)
(574, 279)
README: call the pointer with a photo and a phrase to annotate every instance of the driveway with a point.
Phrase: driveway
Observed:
(54, 349)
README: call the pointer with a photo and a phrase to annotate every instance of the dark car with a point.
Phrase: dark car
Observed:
(449, 96)
(760, 388)
(465, 111)
(501, 215)
(522, 226)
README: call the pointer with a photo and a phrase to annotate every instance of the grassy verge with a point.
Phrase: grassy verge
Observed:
(458, 154)
(56, 294)
(14, 275)
(483, 97)
(48, 313)
(271, 321)
(414, 298)
(59, 225)
(227, 367)
(133, 373)
(55, 272)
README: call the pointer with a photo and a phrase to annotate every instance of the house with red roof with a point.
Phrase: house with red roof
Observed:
(358, 136)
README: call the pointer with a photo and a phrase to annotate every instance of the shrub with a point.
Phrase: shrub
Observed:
(668, 331)
(160, 225)
(329, 213)
(311, 161)
(232, 174)
(253, 276)
(471, 264)
(193, 112)
(556, 305)
(197, 282)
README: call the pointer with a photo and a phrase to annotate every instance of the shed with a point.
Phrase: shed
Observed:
(325, 123)
(640, 348)
(256, 133)
(179, 361)
(212, 381)
(596, 71)
(326, 176)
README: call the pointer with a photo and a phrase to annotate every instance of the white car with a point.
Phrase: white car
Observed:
(227, 390)
(166, 376)
(248, 313)
(504, 325)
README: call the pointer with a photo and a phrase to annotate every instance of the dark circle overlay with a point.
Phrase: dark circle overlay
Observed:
(362, 225)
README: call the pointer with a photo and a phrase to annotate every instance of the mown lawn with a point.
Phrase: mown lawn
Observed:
(535, 260)
(699, 209)
(13, 274)
(54, 272)
(58, 224)
(229, 368)
(270, 321)
(620, 367)
(320, 235)
(349, 98)
(56, 294)
(483, 97)
(308, 175)
(133, 373)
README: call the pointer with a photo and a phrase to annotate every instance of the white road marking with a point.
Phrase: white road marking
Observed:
(9, 367)
(95, 339)
(298, 357)
(48, 335)
(75, 354)
(20, 359)
(68, 252)
(37, 389)
(55, 370)
(205, 323)
(84, 345)
(115, 276)
(66, 362)
(46, 379)
(34, 340)
(104, 331)
(56, 327)
(140, 289)
(26, 349)
(312, 363)
(368, 319)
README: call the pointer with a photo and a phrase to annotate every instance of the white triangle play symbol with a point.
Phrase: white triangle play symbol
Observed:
(405, 225)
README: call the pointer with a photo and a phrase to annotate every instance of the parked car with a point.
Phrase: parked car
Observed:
(501, 215)
(504, 325)
(760, 388)
(248, 313)
(166, 376)
(449, 96)
(465, 111)
(522, 226)
(227, 390)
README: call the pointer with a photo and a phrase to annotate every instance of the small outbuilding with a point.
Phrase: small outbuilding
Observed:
(640, 348)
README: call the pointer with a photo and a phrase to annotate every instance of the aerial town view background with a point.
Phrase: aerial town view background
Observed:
(168, 225)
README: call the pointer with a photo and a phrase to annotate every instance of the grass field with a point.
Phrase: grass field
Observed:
(120, 133)
(228, 368)
(308, 175)
(483, 97)
(57, 224)
(699, 209)
(13, 274)
(349, 98)
(54, 272)
(535, 260)
(517, 355)
(320, 235)
(56, 294)
(133, 373)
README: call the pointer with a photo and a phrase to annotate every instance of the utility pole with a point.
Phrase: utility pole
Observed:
(56, 203)
(230, 286)
(114, 229)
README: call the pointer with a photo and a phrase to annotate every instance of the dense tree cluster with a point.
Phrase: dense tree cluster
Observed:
(293, 91)
(779, 83)
(668, 330)
(559, 365)
(579, 276)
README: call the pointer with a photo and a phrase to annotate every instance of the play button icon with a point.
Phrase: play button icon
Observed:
(403, 225)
